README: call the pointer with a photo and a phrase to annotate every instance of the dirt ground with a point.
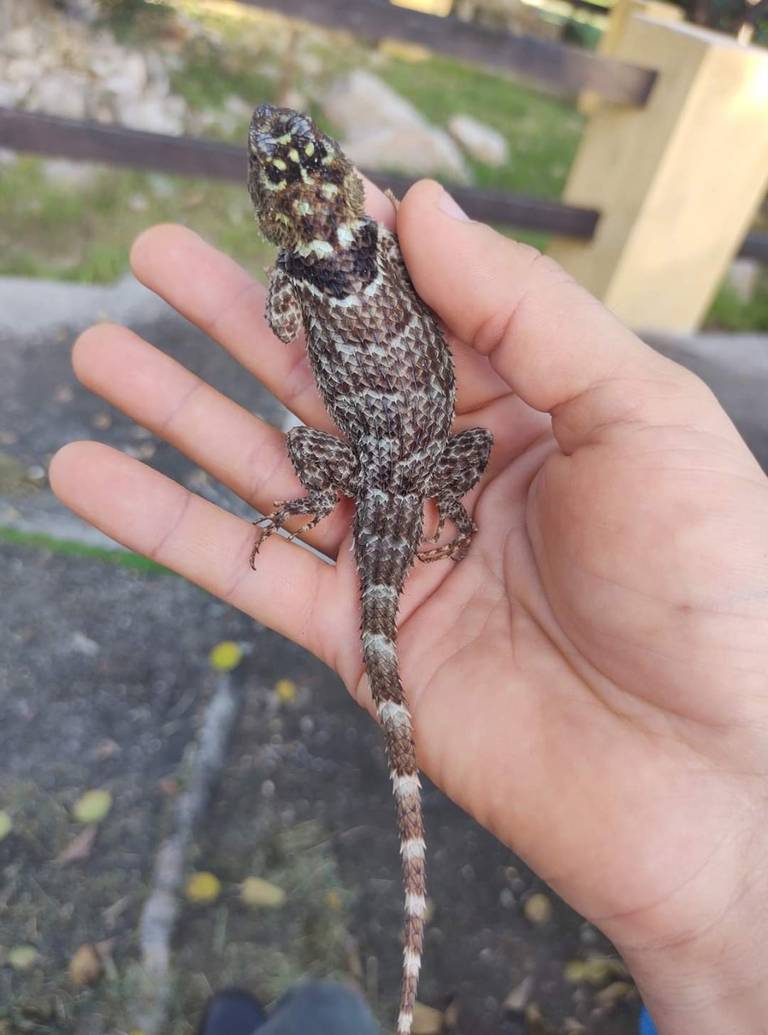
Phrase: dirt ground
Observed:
(103, 678)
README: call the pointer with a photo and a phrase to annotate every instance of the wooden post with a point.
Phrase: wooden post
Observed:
(678, 181)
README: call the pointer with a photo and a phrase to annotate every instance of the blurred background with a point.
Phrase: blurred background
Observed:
(186, 800)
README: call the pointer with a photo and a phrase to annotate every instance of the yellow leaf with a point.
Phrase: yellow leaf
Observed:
(538, 909)
(333, 900)
(285, 690)
(22, 957)
(426, 1020)
(85, 966)
(225, 656)
(92, 807)
(6, 825)
(260, 893)
(203, 887)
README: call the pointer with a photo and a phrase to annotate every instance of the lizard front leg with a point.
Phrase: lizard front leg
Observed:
(458, 470)
(282, 308)
(326, 467)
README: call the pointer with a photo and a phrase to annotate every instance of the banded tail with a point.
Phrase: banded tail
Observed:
(387, 534)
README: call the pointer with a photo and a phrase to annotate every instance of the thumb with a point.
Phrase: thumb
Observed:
(556, 346)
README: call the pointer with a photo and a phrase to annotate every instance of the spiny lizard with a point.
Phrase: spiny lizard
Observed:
(385, 374)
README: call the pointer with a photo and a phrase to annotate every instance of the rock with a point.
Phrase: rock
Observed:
(23, 41)
(363, 103)
(129, 78)
(153, 115)
(382, 130)
(61, 93)
(480, 141)
(422, 152)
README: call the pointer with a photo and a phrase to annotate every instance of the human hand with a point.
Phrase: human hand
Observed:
(591, 682)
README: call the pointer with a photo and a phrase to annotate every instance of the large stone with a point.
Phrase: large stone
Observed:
(362, 102)
(419, 150)
(382, 130)
(480, 141)
(164, 115)
(62, 93)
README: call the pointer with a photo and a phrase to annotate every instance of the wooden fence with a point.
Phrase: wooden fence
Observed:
(566, 70)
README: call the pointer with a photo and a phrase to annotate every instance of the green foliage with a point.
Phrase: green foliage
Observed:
(730, 313)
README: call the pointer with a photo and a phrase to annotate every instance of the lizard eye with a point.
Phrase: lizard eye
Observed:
(313, 155)
(274, 174)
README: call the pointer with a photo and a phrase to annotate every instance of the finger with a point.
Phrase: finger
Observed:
(219, 296)
(212, 291)
(237, 448)
(155, 516)
(553, 343)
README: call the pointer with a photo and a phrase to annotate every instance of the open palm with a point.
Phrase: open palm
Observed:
(591, 681)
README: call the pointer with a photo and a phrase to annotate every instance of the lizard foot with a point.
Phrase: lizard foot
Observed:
(455, 550)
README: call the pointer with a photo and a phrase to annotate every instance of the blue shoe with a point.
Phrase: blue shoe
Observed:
(232, 1013)
(647, 1027)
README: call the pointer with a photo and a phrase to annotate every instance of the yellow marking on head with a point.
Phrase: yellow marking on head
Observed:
(279, 164)
(284, 139)
(293, 154)
(330, 190)
(303, 208)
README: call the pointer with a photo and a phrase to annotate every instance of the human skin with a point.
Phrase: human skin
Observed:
(591, 682)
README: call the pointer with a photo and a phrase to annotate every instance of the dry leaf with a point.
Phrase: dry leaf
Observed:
(537, 909)
(260, 893)
(79, 847)
(333, 900)
(92, 807)
(85, 966)
(426, 1020)
(22, 957)
(518, 998)
(614, 992)
(203, 887)
(6, 825)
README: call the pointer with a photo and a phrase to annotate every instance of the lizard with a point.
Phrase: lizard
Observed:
(385, 374)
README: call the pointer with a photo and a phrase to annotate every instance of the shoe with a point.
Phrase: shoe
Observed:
(232, 1013)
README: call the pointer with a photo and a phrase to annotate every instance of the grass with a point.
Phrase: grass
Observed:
(70, 548)
(730, 313)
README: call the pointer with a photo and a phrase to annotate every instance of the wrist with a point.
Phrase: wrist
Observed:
(716, 979)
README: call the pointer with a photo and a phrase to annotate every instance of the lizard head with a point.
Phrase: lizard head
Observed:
(302, 184)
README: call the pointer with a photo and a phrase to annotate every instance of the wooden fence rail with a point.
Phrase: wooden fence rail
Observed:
(55, 136)
(568, 70)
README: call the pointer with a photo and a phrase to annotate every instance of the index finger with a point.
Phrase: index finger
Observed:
(214, 292)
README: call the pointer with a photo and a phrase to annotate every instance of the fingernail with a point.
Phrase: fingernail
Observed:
(452, 208)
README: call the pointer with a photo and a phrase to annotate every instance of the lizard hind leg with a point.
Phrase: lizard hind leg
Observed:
(326, 467)
(459, 469)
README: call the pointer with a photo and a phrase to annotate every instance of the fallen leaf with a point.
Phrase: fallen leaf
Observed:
(537, 909)
(285, 690)
(85, 966)
(260, 893)
(595, 970)
(426, 1020)
(6, 825)
(79, 847)
(22, 957)
(614, 992)
(203, 887)
(93, 806)
(333, 900)
(225, 656)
